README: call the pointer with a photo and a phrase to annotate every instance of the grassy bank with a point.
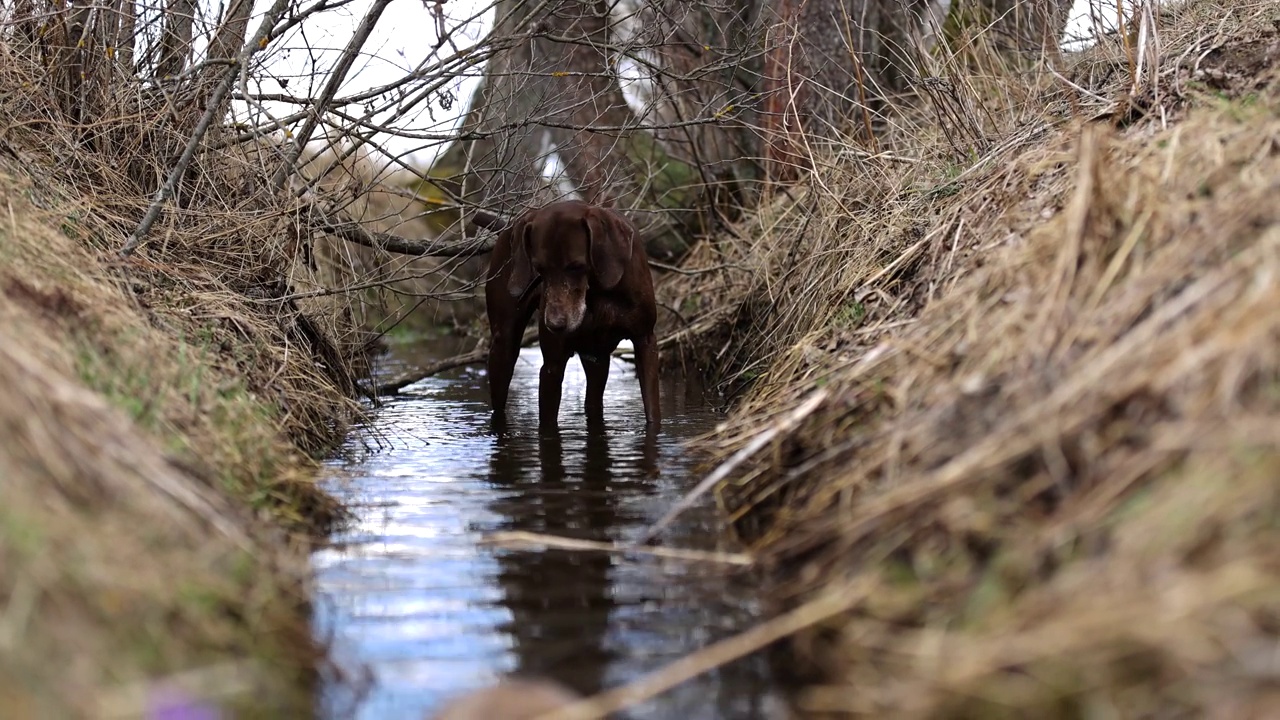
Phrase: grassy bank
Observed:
(161, 417)
(1044, 335)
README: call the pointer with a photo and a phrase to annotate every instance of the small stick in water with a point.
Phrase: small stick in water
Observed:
(510, 699)
(519, 539)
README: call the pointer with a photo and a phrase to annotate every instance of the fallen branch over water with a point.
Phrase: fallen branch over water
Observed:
(453, 242)
(392, 387)
(727, 466)
(478, 355)
(516, 540)
(833, 602)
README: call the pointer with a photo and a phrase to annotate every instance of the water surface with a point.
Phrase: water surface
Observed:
(417, 610)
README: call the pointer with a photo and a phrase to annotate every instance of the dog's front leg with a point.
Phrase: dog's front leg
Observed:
(504, 350)
(596, 368)
(554, 358)
(647, 374)
(506, 322)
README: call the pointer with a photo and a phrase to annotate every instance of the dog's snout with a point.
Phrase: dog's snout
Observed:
(563, 309)
(562, 320)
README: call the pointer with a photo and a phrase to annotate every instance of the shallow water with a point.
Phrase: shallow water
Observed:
(417, 611)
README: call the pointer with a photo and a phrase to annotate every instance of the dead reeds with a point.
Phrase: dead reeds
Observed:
(134, 457)
(1050, 438)
(155, 410)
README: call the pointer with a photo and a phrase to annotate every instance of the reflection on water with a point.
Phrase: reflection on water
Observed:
(417, 612)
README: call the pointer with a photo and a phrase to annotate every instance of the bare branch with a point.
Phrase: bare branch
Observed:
(339, 73)
(448, 244)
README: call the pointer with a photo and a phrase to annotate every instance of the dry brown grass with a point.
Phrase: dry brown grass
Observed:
(1053, 432)
(227, 268)
(119, 566)
(134, 453)
(161, 416)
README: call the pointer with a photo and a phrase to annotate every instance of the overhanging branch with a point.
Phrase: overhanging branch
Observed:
(449, 244)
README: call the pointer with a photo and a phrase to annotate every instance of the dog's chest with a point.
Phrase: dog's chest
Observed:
(608, 316)
(605, 323)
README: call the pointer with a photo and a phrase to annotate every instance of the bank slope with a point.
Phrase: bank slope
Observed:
(1045, 466)
(158, 434)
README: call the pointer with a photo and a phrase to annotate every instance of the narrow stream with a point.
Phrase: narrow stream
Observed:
(416, 610)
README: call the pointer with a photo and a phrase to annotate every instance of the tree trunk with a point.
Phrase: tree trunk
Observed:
(127, 20)
(578, 74)
(175, 49)
(708, 67)
(501, 168)
(1024, 26)
(233, 32)
(827, 62)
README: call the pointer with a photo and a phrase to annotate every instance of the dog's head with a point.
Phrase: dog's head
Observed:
(568, 247)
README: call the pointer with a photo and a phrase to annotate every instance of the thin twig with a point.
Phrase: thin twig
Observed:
(336, 77)
(516, 539)
(738, 458)
(692, 271)
(833, 602)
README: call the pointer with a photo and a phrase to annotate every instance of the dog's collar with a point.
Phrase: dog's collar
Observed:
(533, 284)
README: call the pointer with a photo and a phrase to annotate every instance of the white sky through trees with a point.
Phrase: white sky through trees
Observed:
(405, 37)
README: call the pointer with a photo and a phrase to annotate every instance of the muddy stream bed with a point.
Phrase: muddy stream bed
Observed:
(417, 609)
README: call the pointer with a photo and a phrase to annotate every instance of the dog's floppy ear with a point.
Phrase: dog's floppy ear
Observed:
(611, 236)
(522, 275)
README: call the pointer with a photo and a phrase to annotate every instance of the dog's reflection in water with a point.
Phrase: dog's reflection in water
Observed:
(511, 699)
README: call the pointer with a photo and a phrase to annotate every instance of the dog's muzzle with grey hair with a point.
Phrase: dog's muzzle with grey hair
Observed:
(561, 311)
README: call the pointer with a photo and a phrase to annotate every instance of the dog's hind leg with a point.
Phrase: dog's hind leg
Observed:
(647, 374)
(504, 350)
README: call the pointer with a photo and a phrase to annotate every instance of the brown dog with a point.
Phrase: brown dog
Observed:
(584, 268)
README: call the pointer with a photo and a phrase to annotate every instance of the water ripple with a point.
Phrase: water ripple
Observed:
(415, 606)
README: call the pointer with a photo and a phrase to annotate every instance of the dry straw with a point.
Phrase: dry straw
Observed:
(1051, 437)
(152, 409)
